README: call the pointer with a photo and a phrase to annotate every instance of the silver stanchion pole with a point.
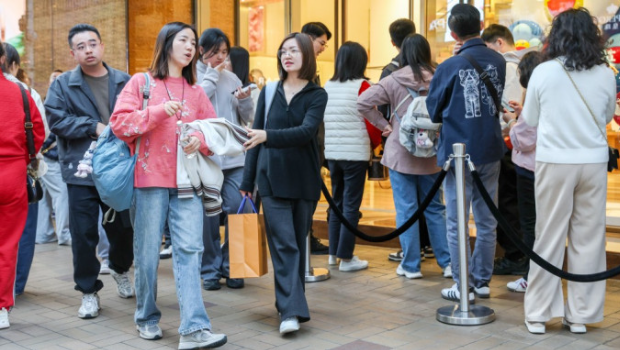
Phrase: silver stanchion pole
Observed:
(314, 274)
(463, 314)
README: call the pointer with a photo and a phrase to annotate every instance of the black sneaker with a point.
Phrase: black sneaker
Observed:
(428, 252)
(235, 283)
(316, 247)
(504, 266)
(211, 285)
(396, 256)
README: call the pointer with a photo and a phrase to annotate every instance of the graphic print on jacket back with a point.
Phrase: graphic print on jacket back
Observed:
(472, 91)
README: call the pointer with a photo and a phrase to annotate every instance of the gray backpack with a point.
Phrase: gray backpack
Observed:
(417, 133)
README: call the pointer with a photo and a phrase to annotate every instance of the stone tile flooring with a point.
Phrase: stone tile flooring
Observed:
(369, 310)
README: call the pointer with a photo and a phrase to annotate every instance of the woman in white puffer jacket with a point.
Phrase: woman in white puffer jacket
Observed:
(347, 151)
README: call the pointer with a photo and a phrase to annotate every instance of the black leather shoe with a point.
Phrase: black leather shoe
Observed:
(211, 285)
(316, 247)
(504, 266)
(235, 283)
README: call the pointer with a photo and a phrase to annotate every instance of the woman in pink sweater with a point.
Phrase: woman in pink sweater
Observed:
(174, 97)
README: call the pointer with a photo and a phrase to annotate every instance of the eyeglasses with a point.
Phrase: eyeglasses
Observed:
(82, 47)
(323, 43)
(291, 53)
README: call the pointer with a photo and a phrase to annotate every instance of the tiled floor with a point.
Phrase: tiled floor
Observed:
(368, 310)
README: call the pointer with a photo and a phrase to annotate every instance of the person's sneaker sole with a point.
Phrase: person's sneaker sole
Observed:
(155, 336)
(205, 345)
(89, 316)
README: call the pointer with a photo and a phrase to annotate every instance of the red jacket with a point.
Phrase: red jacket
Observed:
(12, 118)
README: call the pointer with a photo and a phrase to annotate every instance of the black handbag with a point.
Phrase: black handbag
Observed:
(33, 186)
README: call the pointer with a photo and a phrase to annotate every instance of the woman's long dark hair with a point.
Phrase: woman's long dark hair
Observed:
(163, 49)
(240, 60)
(12, 56)
(575, 35)
(351, 61)
(415, 52)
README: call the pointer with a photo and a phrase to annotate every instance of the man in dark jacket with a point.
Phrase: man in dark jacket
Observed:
(459, 99)
(79, 104)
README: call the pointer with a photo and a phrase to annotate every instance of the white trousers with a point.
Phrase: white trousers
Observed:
(570, 204)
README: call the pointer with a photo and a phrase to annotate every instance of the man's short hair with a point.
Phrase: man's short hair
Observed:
(80, 28)
(464, 21)
(497, 31)
(399, 29)
(316, 30)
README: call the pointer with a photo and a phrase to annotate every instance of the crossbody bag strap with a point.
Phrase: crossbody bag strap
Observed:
(32, 153)
(487, 81)
(270, 94)
(146, 94)
(583, 99)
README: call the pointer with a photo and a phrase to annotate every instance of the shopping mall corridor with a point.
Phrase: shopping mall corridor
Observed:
(369, 310)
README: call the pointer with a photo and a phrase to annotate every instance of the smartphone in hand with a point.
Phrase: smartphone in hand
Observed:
(507, 107)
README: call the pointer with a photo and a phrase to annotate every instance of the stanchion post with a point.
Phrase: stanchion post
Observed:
(314, 274)
(463, 314)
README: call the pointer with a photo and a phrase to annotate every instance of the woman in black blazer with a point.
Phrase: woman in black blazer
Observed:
(283, 160)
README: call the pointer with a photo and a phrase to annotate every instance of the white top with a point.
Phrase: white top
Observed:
(346, 137)
(566, 131)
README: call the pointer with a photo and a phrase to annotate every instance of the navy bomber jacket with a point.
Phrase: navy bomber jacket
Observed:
(73, 116)
(459, 99)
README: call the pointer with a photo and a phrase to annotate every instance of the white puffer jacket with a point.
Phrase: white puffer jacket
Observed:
(346, 137)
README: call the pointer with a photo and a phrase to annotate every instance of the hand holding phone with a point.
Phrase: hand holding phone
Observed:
(507, 107)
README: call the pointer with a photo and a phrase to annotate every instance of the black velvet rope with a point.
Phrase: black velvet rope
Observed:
(396, 232)
(514, 237)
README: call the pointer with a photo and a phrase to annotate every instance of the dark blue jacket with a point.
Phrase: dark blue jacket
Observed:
(73, 116)
(458, 98)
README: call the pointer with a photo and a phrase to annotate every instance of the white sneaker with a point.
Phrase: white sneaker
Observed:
(90, 306)
(166, 253)
(124, 287)
(518, 286)
(150, 331)
(289, 325)
(535, 327)
(105, 268)
(447, 271)
(202, 339)
(4, 318)
(332, 260)
(411, 275)
(355, 264)
(576, 328)
(453, 294)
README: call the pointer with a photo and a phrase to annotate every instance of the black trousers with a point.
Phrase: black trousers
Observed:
(84, 205)
(287, 222)
(527, 211)
(508, 206)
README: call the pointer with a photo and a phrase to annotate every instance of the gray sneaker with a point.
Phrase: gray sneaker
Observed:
(124, 287)
(202, 339)
(90, 306)
(149, 331)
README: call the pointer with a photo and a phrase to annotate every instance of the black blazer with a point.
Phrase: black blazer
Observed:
(287, 165)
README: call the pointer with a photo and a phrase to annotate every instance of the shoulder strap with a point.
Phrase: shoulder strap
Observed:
(582, 99)
(413, 94)
(487, 81)
(146, 94)
(32, 153)
(270, 94)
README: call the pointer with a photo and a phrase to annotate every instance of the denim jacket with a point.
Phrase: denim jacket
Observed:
(459, 99)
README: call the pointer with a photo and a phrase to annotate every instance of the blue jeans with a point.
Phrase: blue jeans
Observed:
(406, 188)
(152, 207)
(481, 261)
(25, 252)
(215, 260)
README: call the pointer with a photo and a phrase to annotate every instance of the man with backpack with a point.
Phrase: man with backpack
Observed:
(466, 101)
(79, 104)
